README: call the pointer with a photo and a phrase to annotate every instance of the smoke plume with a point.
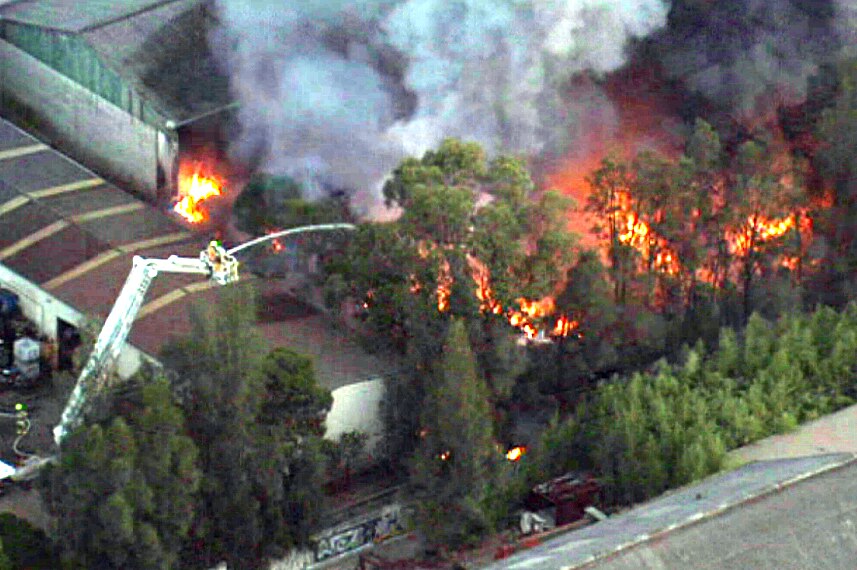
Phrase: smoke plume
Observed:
(846, 26)
(336, 93)
(750, 56)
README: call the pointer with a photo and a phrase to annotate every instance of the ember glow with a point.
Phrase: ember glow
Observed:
(195, 188)
(276, 245)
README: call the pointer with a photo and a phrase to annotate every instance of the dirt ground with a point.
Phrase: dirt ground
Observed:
(44, 403)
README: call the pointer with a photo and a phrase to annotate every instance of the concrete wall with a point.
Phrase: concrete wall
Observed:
(43, 310)
(357, 407)
(354, 535)
(168, 165)
(90, 129)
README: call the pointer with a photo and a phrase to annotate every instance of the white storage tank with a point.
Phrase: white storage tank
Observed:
(26, 352)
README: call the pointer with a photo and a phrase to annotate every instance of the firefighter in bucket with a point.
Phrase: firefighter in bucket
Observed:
(223, 267)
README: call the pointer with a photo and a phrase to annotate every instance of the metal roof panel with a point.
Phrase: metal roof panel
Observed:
(165, 54)
(666, 514)
(73, 15)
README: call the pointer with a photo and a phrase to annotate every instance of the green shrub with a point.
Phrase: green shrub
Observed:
(24, 545)
(652, 431)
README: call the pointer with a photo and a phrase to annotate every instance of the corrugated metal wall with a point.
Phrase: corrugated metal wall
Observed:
(80, 122)
(72, 57)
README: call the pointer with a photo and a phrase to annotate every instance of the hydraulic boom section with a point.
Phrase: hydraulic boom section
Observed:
(214, 262)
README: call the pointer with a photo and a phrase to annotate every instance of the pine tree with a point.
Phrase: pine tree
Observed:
(167, 459)
(124, 496)
(5, 564)
(454, 463)
(759, 344)
(729, 357)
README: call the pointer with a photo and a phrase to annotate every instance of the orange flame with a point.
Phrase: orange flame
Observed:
(564, 326)
(758, 227)
(530, 309)
(444, 278)
(636, 233)
(276, 245)
(522, 320)
(516, 453)
(444, 284)
(194, 189)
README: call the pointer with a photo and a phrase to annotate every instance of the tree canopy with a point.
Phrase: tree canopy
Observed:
(257, 417)
(456, 459)
(124, 493)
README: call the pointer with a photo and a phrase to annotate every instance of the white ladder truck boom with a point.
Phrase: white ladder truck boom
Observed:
(214, 262)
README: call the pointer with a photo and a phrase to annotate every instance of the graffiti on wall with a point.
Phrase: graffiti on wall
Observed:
(390, 521)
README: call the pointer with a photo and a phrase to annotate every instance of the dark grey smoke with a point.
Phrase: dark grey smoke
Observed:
(846, 26)
(750, 55)
(337, 92)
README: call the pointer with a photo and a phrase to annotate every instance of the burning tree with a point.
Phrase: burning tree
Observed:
(472, 243)
(699, 217)
(762, 202)
(611, 188)
(469, 240)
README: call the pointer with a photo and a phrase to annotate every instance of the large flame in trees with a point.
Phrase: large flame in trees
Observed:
(444, 278)
(444, 286)
(527, 319)
(636, 233)
(758, 229)
(530, 313)
(194, 188)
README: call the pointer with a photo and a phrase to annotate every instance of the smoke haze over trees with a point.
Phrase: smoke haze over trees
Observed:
(335, 94)
(339, 92)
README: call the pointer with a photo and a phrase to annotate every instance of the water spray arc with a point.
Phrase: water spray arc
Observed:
(216, 262)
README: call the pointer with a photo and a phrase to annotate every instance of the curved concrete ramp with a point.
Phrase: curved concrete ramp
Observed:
(790, 514)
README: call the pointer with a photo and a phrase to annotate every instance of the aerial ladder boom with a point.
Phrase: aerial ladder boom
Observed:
(215, 263)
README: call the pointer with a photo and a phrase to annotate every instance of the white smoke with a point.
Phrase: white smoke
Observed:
(338, 92)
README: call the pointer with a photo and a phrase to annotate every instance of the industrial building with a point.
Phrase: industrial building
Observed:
(67, 240)
(126, 88)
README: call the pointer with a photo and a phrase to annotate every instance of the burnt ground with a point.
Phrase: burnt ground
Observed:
(276, 307)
